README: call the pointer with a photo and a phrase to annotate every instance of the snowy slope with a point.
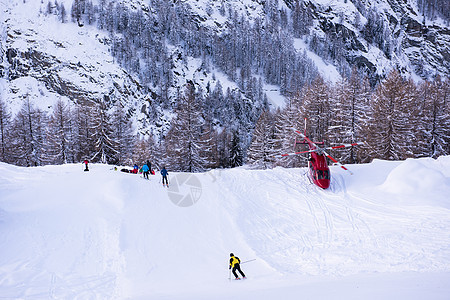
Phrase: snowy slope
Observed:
(379, 234)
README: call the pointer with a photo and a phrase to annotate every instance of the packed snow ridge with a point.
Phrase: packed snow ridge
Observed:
(381, 233)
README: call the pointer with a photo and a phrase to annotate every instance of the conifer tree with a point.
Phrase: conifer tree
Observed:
(59, 135)
(260, 153)
(49, 8)
(62, 13)
(412, 118)
(435, 118)
(316, 108)
(236, 153)
(140, 154)
(74, 145)
(347, 116)
(90, 13)
(220, 149)
(84, 119)
(5, 128)
(76, 11)
(186, 140)
(389, 131)
(145, 149)
(122, 134)
(105, 143)
(286, 121)
(29, 135)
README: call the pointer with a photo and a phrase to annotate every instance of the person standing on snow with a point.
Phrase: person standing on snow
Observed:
(85, 162)
(145, 170)
(149, 166)
(164, 174)
(235, 265)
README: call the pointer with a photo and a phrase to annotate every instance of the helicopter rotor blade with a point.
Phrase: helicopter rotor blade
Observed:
(345, 145)
(293, 153)
(306, 138)
(336, 162)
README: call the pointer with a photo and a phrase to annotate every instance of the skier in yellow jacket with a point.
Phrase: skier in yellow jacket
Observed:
(235, 265)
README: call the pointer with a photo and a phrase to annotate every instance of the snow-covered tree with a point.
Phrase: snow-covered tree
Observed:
(236, 158)
(186, 140)
(316, 108)
(62, 13)
(29, 142)
(435, 118)
(350, 102)
(122, 134)
(390, 131)
(84, 122)
(145, 149)
(261, 151)
(59, 135)
(49, 10)
(5, 128)
(106, 146)
(286, 121)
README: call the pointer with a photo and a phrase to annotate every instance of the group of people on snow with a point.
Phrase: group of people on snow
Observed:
(146, 170)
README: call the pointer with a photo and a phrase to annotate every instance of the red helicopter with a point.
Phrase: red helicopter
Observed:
(319, 171)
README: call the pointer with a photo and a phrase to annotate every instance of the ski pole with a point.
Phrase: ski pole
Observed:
(229, 276)
(248, 261)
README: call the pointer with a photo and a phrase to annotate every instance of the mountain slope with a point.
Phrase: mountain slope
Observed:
(105, 234)
(45, 59)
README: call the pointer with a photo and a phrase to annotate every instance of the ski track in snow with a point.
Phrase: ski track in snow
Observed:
(104, 234)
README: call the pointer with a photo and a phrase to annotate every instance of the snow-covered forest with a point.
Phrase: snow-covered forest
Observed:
(399, 119)
(215, 126)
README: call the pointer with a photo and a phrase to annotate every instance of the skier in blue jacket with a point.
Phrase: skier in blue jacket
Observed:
(164, 174)
(145, 170)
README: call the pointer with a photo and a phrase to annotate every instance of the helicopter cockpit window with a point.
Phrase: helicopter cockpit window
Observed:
(319, 174)
(323, 174)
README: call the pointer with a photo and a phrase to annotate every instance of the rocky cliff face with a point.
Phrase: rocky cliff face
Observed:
(84, 80)
(380, 35)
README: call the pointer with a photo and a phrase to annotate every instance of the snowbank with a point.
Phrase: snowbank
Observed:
(421, 182)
